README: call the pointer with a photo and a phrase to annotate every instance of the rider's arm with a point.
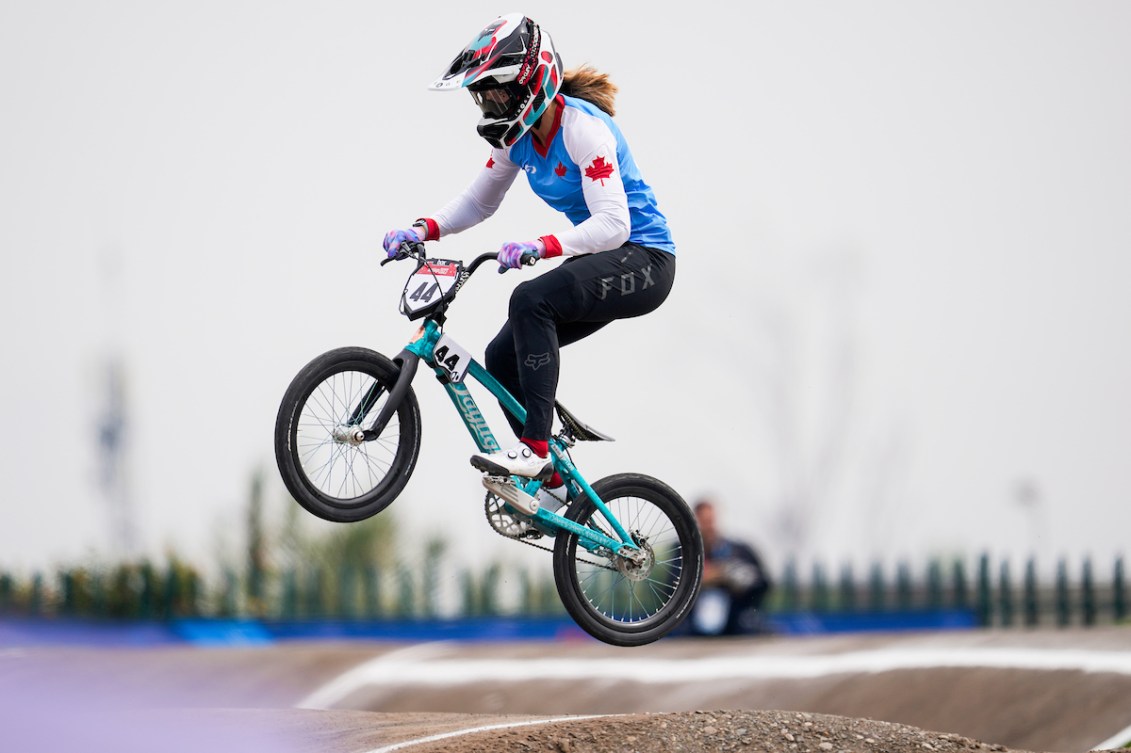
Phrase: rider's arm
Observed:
(480, 200)
(592, 145)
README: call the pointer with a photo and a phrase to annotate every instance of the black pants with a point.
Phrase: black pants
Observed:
(563, 306)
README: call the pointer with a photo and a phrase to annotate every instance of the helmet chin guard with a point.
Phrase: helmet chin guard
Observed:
(513, 73)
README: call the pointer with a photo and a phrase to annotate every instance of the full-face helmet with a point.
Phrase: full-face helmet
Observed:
(512, 71)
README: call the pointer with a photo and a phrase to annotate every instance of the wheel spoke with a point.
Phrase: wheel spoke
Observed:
(626, 598)
(340, 469)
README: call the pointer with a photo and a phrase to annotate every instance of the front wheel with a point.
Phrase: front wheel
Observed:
(631, 603)
(326, 462)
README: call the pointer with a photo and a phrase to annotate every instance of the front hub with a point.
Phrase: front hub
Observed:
(350, 435)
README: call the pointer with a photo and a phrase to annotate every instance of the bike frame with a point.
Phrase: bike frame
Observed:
(593, 540)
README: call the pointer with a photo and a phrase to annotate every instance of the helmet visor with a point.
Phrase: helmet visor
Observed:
(499, 100)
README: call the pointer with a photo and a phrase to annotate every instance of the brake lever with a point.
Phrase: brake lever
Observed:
(415, 250)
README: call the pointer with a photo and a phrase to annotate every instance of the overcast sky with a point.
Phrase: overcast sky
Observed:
(901, 307)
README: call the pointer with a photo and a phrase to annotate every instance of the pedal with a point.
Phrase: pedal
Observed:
(504, 488)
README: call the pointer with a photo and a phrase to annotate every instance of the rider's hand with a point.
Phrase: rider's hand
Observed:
(510, 255)
(394, 239)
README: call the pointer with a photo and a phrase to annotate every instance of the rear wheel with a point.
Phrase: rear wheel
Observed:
(323, 457)
(624, 602)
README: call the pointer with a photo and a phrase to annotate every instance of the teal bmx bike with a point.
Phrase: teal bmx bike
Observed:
(627, 554)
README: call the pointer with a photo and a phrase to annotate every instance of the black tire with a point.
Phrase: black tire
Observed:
(604, 601)
(337, 479)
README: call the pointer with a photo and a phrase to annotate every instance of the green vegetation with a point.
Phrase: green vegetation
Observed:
(298, 568)
(293, 566)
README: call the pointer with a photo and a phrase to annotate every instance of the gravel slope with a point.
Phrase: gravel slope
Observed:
(242, 699)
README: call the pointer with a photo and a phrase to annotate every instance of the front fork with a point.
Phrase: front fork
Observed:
(408, 359)
(408, 362)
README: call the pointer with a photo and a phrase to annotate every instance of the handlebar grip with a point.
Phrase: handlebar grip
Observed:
(408, 249)
(528, 259)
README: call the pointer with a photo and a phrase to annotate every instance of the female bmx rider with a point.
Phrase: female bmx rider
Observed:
(558, 128)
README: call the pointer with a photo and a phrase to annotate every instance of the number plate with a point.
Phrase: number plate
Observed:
(452, 358)
(429, 284)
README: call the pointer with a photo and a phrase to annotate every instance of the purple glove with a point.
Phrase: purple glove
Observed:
(510, 255)
(394, 239)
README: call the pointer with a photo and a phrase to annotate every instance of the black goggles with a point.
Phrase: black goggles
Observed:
(499, 100)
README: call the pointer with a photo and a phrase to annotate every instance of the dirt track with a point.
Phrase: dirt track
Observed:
(673, 696)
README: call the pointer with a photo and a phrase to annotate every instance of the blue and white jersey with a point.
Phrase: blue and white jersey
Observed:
(586, 171)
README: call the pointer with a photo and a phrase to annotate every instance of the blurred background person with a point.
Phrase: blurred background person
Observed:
(735, 582)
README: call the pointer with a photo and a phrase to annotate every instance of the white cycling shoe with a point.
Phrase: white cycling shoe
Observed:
(520, 460)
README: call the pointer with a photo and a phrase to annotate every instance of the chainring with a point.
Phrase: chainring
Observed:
(514, 527)
(506, 523)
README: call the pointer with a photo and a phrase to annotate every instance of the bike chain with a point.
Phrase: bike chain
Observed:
(523, 538)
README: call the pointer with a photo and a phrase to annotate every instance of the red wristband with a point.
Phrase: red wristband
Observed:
(553, 247)
(431, 228)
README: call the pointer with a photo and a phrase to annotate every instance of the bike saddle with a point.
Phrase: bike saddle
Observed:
(580, 431)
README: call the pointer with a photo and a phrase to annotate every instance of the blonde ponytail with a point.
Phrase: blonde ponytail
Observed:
(586, 82)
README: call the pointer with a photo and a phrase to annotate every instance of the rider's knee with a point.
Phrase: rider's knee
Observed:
(498, 352)
(525, 300)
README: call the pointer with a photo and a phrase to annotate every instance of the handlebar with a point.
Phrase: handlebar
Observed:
(416, 251)
(423, 303)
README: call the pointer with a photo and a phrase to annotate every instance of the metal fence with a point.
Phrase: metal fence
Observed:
(147, 592)
(996, 593)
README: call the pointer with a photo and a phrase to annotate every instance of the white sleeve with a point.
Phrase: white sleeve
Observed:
(479, 200)
(593, 147)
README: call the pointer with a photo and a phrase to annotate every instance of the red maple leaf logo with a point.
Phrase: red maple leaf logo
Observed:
(599, 170)
(490, 162)
(560, 170)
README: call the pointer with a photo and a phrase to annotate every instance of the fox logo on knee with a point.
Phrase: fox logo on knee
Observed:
(537, 361)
